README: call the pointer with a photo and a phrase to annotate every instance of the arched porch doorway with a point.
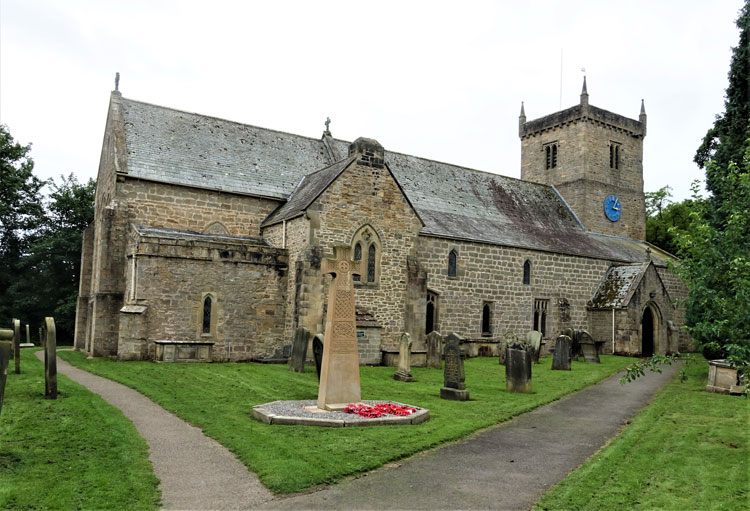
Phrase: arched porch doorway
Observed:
(649, 331)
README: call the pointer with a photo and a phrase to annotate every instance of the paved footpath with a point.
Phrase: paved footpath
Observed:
(196, 472)
(506, 467)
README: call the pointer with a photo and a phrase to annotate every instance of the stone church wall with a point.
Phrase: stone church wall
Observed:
(678, 291)
(369, 196)
(247, 284)
(494, 274)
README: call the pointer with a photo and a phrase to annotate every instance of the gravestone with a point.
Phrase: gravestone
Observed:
(403, 373)
(318, 353)
(518, 370)
(5, 352)
(6, 334)
(339, 372)
(50, 360)
(588, 347)
(28, 343)
(299, 350)
(434, 350)
(454, 387)
(561, 358)
(17, 344)
(507, 339)
(534, 341)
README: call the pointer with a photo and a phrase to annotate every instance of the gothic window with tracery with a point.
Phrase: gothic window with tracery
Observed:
(366, 247)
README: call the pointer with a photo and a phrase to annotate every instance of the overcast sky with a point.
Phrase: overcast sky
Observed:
(441, 80)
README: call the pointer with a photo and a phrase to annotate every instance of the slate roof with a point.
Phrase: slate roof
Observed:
(153, 232)
(453, 202)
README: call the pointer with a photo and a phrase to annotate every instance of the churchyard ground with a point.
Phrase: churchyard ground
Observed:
(75, 452)
(219, 398)
(689, 449)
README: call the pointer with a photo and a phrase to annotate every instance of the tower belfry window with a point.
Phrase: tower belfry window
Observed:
(614, 155)
(550, 154)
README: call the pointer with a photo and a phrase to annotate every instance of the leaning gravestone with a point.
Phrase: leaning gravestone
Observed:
(339, 372)
(588, 347)
(403, 373)
(561, 358)
(50, 360)
(518, 370)
(17, 344)
(454, 387)
(434, 350)
(299, 350)
(318, 353)
(5, 350)
(534, 341)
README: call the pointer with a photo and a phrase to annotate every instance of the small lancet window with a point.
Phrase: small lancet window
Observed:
(452, 262)
(207, 315)
(371, 253)
(357, 257)
(486, 319)
(527, 272)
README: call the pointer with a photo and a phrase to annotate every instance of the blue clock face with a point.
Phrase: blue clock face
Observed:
(612, 208)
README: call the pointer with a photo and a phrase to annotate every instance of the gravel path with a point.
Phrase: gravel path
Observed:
(196, 472)
(507, 467)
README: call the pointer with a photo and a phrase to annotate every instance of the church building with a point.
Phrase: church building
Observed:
(209, 234)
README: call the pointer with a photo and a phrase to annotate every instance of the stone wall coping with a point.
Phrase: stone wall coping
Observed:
(194, 343)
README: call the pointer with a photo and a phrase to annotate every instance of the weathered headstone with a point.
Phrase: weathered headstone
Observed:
(299, 350)
(6, 334)
(17, 344)
(534, 341)
(5, 351)
(588, 347)
(403, 373)
(50, 360)
(518, 370)
(434, 350)
(318, 353)
(561, 358)
(507, 339)
(339, 372)
(454, 387)
(28, 343)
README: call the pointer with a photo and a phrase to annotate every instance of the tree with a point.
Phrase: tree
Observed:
(20, 214)
(725, 141)
(665, 220)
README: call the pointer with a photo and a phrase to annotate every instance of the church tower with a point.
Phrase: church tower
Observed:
(594, 158)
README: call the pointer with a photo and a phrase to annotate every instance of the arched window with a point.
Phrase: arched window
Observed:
(366, 247)
(527, 272)
(207, 315)
(486, 319)
(357, 257)
(371, 256)
(452, 263)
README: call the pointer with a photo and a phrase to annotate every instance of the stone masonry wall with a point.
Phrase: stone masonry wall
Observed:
(247, 284)
(678, 291)
(494, 274)
(368, 195)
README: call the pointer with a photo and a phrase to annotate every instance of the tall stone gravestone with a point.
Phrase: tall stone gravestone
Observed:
(561, 358)
(588, 347)
(318, 353)
(50, 360)
(299, 350)
(5, 352)
(339, 372)
(403, 373)
(434, 350)
(17, 344)
(534, 341)
(518, 370)
(454, 387)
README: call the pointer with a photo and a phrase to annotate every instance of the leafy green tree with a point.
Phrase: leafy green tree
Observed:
(21, 213)
(666, 219)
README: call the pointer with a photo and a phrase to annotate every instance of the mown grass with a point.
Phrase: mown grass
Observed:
(76, 452)
(219, 398)
(689, 449)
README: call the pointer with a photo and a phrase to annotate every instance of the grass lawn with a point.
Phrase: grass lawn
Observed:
(77, 452)
(688, 449)
(219, 399)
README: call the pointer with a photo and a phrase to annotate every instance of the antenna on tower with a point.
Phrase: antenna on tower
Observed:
(561, 70)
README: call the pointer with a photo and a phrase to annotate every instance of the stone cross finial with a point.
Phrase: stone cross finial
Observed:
(117, 81)
(339, 373)
(328, 125)
(648, 253)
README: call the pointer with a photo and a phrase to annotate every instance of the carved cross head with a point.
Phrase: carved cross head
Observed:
(342, 267)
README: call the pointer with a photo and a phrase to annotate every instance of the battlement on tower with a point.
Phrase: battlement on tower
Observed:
(582, 113)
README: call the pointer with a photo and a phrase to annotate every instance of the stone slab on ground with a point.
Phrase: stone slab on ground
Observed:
(196, 472)
(507, 467)
(306, 413)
